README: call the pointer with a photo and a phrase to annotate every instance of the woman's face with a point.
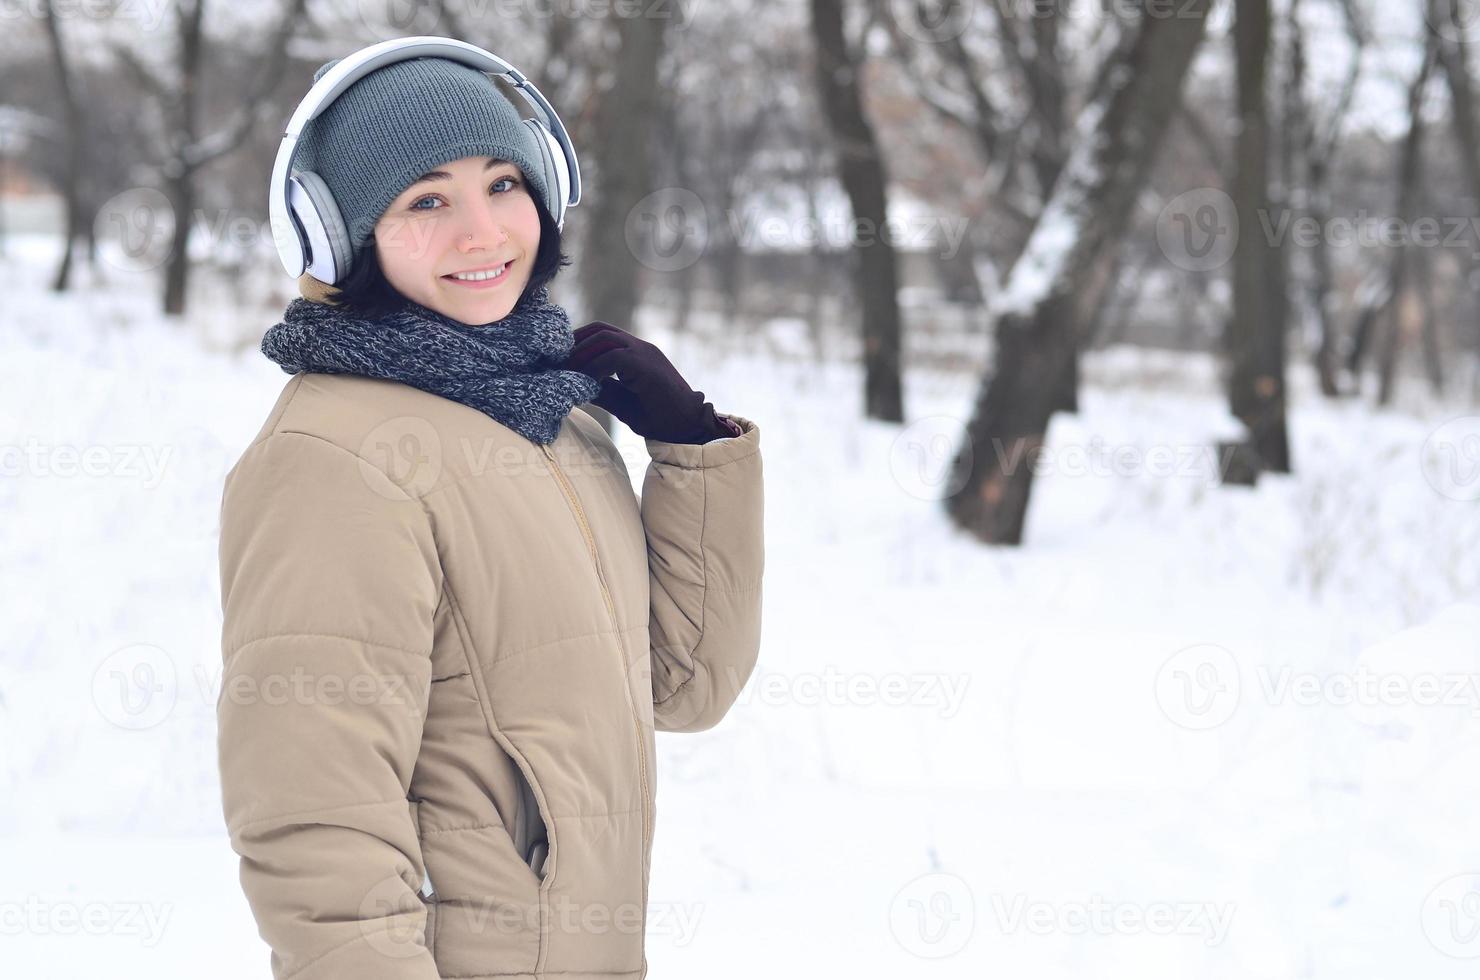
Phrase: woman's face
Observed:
(470, 215)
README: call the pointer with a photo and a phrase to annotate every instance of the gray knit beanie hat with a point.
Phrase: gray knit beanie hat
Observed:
(400, 121)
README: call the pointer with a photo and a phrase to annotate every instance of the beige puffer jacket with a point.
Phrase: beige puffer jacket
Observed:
(446, 652)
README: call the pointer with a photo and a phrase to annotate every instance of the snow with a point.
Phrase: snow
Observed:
(1041, 265)
(1186, 731)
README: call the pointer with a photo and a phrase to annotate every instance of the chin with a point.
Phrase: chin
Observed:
(471, 309)
(477, 316)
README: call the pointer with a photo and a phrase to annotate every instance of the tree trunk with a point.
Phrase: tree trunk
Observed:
(181, 194)
(1410, 174)
(612, 275)
(1453, 53)
(1049, 298)
(861, 169)
(1433, 350)
(1255, 340)
(183, 151)
(71, 170)
(1454, 56)
(671, 136)
(623, 129)
(1319, 289)
(179, 174)
(1373, 299)
(1305, 182)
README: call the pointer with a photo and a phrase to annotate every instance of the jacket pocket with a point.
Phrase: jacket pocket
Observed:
(428, 894)
(530, 833)
(427, 891)
(431, 933)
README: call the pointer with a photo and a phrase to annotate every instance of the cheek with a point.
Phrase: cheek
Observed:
(407, 246)
(527, 221)
(393, 248)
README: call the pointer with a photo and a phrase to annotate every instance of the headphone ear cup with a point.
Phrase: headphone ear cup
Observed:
(557, 173)
(312, 204)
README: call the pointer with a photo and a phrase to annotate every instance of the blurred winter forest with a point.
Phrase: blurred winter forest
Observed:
(992, 187)
(1117, 364)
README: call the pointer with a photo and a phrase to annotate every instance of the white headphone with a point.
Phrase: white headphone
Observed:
(307, 228)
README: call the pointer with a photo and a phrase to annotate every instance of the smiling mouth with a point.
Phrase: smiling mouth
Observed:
(483, 277)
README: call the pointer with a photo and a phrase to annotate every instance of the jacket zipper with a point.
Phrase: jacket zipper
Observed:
(611, 608)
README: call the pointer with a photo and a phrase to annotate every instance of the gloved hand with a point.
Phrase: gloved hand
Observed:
(648, 394)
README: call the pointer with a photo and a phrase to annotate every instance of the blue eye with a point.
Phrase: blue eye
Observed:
(432, 197)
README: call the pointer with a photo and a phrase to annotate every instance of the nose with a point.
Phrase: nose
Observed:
(480, 230)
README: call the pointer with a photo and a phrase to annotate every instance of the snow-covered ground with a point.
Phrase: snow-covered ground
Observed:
(1187, 731)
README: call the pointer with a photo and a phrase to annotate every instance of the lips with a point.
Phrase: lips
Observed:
(485, 282)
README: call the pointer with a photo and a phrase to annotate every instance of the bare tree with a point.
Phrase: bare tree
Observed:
(1427, 298)
(724, 114)
(1380, 317)
(1316, 148)
(1255, 338)
(1021, 136)
(1063, 273)
(187, 147)
(1410, 176)
(1447, 19)
(1449, 36)
(71, 173)
(862, 171)
(623, 129)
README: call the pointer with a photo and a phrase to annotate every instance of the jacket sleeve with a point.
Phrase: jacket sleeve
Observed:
(702, 512)
(329, 584)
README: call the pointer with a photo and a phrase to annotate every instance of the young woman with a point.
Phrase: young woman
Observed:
(450, 626)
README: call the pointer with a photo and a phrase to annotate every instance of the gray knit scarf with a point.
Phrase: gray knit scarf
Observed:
(507, 369)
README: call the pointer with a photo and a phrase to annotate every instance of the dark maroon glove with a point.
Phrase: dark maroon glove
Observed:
(648, 394)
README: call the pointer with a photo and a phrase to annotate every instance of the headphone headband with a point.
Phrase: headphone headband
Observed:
(350, 69)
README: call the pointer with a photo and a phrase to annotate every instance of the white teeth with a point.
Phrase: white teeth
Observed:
(480, 276)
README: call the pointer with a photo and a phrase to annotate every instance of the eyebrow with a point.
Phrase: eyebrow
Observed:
(444, 175)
